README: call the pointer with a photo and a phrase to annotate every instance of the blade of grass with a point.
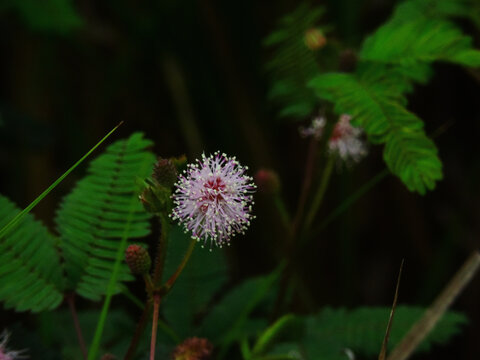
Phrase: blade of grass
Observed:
(383, 350)
(434, 313)
(8, 227)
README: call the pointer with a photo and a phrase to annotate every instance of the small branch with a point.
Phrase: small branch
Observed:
(318, 198)
(161, 251)
(70, 298)
(432, 315)
(168, 285)
(307, 182)
(282, 210)
(156, 305)
(138, 332)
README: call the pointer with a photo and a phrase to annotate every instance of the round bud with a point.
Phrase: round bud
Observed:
(138, 259)
(165, 172)
(193, 349)
(314, 39)
(267, 181)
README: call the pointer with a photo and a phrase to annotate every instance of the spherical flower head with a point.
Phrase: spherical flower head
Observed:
(345, 141)
(193, 349)
(6, 354)
(315, 39)
(213, 199)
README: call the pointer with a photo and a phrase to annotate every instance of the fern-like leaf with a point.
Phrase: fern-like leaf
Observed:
(376, 106)
(30, 273)
(293, 63)
(333, 330)
(102, 210)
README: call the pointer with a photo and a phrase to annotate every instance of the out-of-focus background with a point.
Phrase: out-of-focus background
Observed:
(191, 76)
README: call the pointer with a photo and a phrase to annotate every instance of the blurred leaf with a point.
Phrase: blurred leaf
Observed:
(227, 320)
(362, 330)
(58, 16)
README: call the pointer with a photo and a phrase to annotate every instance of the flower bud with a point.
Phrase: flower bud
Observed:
(193, 349)
(314, 39)
(138, 259)
(267, 181)
(348, 60)
(165, 172)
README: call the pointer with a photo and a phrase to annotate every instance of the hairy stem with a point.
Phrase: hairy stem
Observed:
(161, 251)
(156, 305)
(168, 285)
(70, 298)
(138, 331)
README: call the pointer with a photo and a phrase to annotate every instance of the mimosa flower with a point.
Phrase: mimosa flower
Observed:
(213, 199)
(345, 140)
(6, 354)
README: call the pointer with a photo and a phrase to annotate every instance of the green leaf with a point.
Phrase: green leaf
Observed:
(48, 15)
(362, 330)
(225, 323)
(30, 270)
(202, 277)
(101, 213)
(292, 63)
(375, 105)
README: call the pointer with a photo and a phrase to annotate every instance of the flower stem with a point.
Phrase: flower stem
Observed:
(156, 305)
(161, 251)
(70, 298)
(138, 331)
(318, 198)
(307, 182)
(168, 285)
(282, 210)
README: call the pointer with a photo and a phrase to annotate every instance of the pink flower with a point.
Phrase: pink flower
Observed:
(213, 199)
(345, 140)
(6, 354)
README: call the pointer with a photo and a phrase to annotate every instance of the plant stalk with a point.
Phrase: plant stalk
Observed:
(171, 281)
(156, 305)
(70, 298)
(318, 198)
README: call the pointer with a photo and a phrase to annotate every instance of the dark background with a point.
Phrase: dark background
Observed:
(190, 75)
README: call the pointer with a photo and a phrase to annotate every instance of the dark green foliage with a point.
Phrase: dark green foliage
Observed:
(362, 330)
(101, 212)
(293, 64)
(55, 16)
(202, 277)
(408, 153)
(30, 273)
(229, 318)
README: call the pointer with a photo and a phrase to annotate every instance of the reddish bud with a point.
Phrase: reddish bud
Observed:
(193, 349)
(314, 39)
(165, 172)
(267, 181)
(348, 60)
(138, 259)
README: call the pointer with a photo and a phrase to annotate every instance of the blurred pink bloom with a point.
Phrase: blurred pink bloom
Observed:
(345, 140)
(6, 354)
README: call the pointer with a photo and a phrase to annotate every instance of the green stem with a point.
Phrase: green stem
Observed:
(282, 210)
(352, 199)
(269, 335)
(34, 203)
(168, 285)
(318, 198)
